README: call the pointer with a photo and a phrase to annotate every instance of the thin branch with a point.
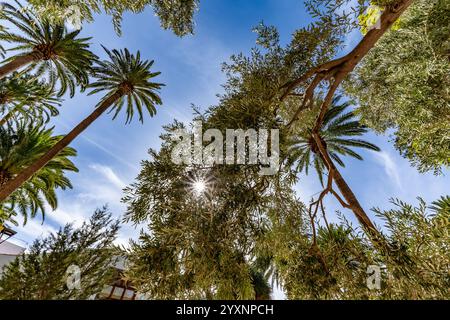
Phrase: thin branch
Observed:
(289, 86)
(324, 216)
(307, 99)
(339, 68)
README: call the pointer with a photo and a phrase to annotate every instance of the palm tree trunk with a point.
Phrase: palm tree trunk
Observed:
(352, 202)
(18, 63)
(17, 181)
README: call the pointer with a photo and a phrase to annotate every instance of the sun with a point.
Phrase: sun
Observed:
(199, 187)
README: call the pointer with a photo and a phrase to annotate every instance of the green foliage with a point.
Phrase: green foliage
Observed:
(338, 127)
(27, 97)
(176, 15)
(371, 17)
(403, 84)
(261, 286)
(127, 73)
(204, 247)
(42, 272)
(59, 54)
(442, 205)
(20, 145)
(423, 237)
(257, 78)
(337, 267)
(197, 246)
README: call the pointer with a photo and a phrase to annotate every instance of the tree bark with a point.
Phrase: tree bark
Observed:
(336, 70)
(18, 180)
(387, 19)
(17, 63)
(352, 202)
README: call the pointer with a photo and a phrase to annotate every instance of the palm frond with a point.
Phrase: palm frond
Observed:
(338, 126)
(60, 55)
(20, 145)
(131, 76)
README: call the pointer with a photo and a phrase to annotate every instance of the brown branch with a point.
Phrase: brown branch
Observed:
(307, 99)
(353, 203)
(336, 71)
(313, 226)
(323, 68)
(341, 201)
(322, 195)
(324, 216)
(341, 67)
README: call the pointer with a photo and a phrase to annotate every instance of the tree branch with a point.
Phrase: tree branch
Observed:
(339, 68)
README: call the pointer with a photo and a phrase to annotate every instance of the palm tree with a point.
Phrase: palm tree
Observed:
(126, 80)
(321, 148)
(20, 146)
(47, 49)
(441, 206)
(28, 96)
(338, 126)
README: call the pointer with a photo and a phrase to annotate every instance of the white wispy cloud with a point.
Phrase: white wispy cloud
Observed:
(61, 122)
(35, 229)
(62, 215)
(390, 167)
(109, 174)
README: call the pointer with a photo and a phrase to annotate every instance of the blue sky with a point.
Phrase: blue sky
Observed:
(109, 151)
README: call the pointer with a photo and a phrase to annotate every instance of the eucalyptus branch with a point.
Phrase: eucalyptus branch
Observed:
(336, 70)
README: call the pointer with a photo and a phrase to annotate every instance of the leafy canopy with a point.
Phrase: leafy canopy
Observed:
(25, 96)
(20, 145)
(58, 54)
(337, 268)
(176, 15)
(403, 84)
(42, 272)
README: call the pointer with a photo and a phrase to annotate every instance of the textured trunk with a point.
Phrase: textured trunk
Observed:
(350, 197)
(352, 203)
(17, 181)
(4, 177)
(387, 19)
(357, 209)
(17, 63)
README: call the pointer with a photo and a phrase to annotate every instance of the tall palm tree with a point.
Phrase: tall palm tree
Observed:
(127, 82)
(20, 146)
(27, 96)
(337, 132)
(324, 147)
(47, 49)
